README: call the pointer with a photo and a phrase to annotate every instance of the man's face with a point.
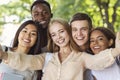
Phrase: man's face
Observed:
(42, 14)
(80, 30)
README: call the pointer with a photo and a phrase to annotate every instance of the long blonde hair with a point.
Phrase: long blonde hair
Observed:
(52, 47)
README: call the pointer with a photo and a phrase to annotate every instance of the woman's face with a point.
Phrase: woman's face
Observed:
(28, 36)
(98, 42)
(59, 34)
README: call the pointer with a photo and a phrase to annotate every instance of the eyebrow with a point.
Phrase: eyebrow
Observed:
(32, 30)
(97, 36)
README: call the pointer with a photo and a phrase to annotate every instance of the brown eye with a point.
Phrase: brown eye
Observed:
(100, 38)
(91, 40)
(61, 31)
(84, 29)
(36, 14)
(44, 12)
(33, 34)
(25, 31)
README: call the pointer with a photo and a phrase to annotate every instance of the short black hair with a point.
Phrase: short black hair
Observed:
(82, 16)
(40, 2)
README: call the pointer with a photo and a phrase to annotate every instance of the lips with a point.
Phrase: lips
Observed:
(96, 47)
(79, 38)
(60, 41)
(26, 40)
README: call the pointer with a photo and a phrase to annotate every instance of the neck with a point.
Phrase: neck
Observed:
(64, 53)
(84, 48)
(22, 49)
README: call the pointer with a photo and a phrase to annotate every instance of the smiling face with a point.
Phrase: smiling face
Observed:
(98, 42)
(28, 36)
(80, 30)
(42, 14)
(59, 34)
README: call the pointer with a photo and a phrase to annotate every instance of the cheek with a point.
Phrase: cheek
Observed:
(86, 33)
(67, 37)
(105, 46)
(53, 39)
(91, 45)
(73, 34)
(19, 37)
(34, 39)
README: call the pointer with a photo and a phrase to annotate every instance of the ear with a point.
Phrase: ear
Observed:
(110, 42)
(51, 15)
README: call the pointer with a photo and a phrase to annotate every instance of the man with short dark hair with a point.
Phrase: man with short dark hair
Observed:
(41, 13)
(81, 25)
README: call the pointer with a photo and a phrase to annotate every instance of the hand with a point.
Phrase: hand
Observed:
(117, 41)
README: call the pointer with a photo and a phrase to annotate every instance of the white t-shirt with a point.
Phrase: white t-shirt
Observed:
(110, 73)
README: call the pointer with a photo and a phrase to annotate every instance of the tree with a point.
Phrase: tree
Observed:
(20, 9)
(105, 10)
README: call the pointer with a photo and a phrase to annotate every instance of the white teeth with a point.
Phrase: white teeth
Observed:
(96, 47)
(79, 38)
(60, 41)
(42, 22)
(26, 40)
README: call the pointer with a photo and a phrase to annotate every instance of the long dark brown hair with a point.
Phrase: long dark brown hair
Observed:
(107, 33)
(36, 49)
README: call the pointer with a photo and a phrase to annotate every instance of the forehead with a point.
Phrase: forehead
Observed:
(41, 6)
(79, 24)
(97, 33)
(55, 27)
(30, 27)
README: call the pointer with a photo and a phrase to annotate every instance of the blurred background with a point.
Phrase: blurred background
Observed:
(104, 13)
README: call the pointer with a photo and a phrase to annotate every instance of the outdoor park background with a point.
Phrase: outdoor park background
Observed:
(104, 13)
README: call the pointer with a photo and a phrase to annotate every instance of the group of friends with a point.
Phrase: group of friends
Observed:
(75, 49)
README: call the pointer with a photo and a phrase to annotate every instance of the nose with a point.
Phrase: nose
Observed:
(79, 32)
(95, 42)
(39, 16)
(27, 35)
(58, 36)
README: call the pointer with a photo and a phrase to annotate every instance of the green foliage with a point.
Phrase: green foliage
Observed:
(63, 9)
(21, 9)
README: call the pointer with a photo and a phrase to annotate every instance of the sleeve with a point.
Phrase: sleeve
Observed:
(118, 60)
(34, 77)
(23, 62)
(99, 61)
(88, 75)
